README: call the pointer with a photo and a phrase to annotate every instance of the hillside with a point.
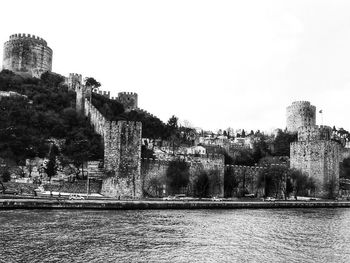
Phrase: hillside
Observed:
(28, 125)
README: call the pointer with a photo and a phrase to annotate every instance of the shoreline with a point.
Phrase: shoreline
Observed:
(11, 204)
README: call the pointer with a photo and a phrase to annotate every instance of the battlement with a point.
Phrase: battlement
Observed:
(75, 76)
(127, 93)
(28, 36)
(301, 103)
(106, 94)
(314, 133)
(215, 159)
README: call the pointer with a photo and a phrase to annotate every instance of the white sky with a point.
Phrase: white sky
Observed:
(217, 64)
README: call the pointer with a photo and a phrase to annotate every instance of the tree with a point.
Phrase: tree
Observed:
(230, 182)
(273, 180)
(51, 79)
(173, 132)
(301, 183)
(201, 184)
(51, 166)
(282, 143)
(92, 83)
(177, 175)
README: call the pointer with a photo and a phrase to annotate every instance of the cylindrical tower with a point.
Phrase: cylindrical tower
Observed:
(27, 55)
(300, 113)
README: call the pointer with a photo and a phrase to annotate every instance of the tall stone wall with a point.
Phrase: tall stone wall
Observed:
(122, 159)
(155, 172)
(300, 113)
(97, 120)
(27, 55)
(319, 159)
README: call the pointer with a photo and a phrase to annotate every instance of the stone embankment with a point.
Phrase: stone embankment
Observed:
(146, 204)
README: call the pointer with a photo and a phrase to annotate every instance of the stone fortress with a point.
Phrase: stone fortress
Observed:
(27, 55)
(126, 175)
(315, 153)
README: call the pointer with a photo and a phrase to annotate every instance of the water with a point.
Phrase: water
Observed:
(278, 235)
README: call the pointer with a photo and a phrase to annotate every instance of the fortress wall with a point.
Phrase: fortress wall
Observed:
(97, 120)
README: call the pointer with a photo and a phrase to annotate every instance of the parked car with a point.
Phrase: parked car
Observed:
(76, 197)
(180, 196)
(270, 199)
(216, 199)
(249, 195)
(169, 198)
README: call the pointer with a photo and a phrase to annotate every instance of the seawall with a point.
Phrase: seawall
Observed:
(142, 205)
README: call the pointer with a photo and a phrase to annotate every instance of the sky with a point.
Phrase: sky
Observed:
(213, 64)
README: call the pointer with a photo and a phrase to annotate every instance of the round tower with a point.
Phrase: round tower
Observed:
(128, 99)
(300, 113)
(27, 55)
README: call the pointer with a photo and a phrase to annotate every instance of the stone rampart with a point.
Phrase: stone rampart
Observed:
(27, 54)
(97, 120)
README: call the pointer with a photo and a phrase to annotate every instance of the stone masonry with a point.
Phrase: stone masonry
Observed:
(156, 171)
(300, 113)
(318, 156)
(122, 151)
(27, 55)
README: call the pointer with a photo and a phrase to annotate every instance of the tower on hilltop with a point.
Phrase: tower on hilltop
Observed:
(300, 113)
(27, 55)
(128, 99)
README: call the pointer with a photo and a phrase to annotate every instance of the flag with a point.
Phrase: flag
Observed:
(320, 111)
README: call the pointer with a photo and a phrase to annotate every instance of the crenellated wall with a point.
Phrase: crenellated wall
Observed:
(27, 55)
(97, 120)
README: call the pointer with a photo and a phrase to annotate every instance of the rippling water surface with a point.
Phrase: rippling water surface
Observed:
(279, 235)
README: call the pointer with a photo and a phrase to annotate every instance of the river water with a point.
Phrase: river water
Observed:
(272, 235)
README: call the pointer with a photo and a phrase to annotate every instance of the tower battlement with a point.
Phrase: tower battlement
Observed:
(27, 55)
(28, 37)
(300, 113)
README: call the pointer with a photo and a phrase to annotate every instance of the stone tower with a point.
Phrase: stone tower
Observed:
(318, 156)
(74, 80)
(27, 55)
(300, 113)
(81, 94)
(128, 99)
(122, 158)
